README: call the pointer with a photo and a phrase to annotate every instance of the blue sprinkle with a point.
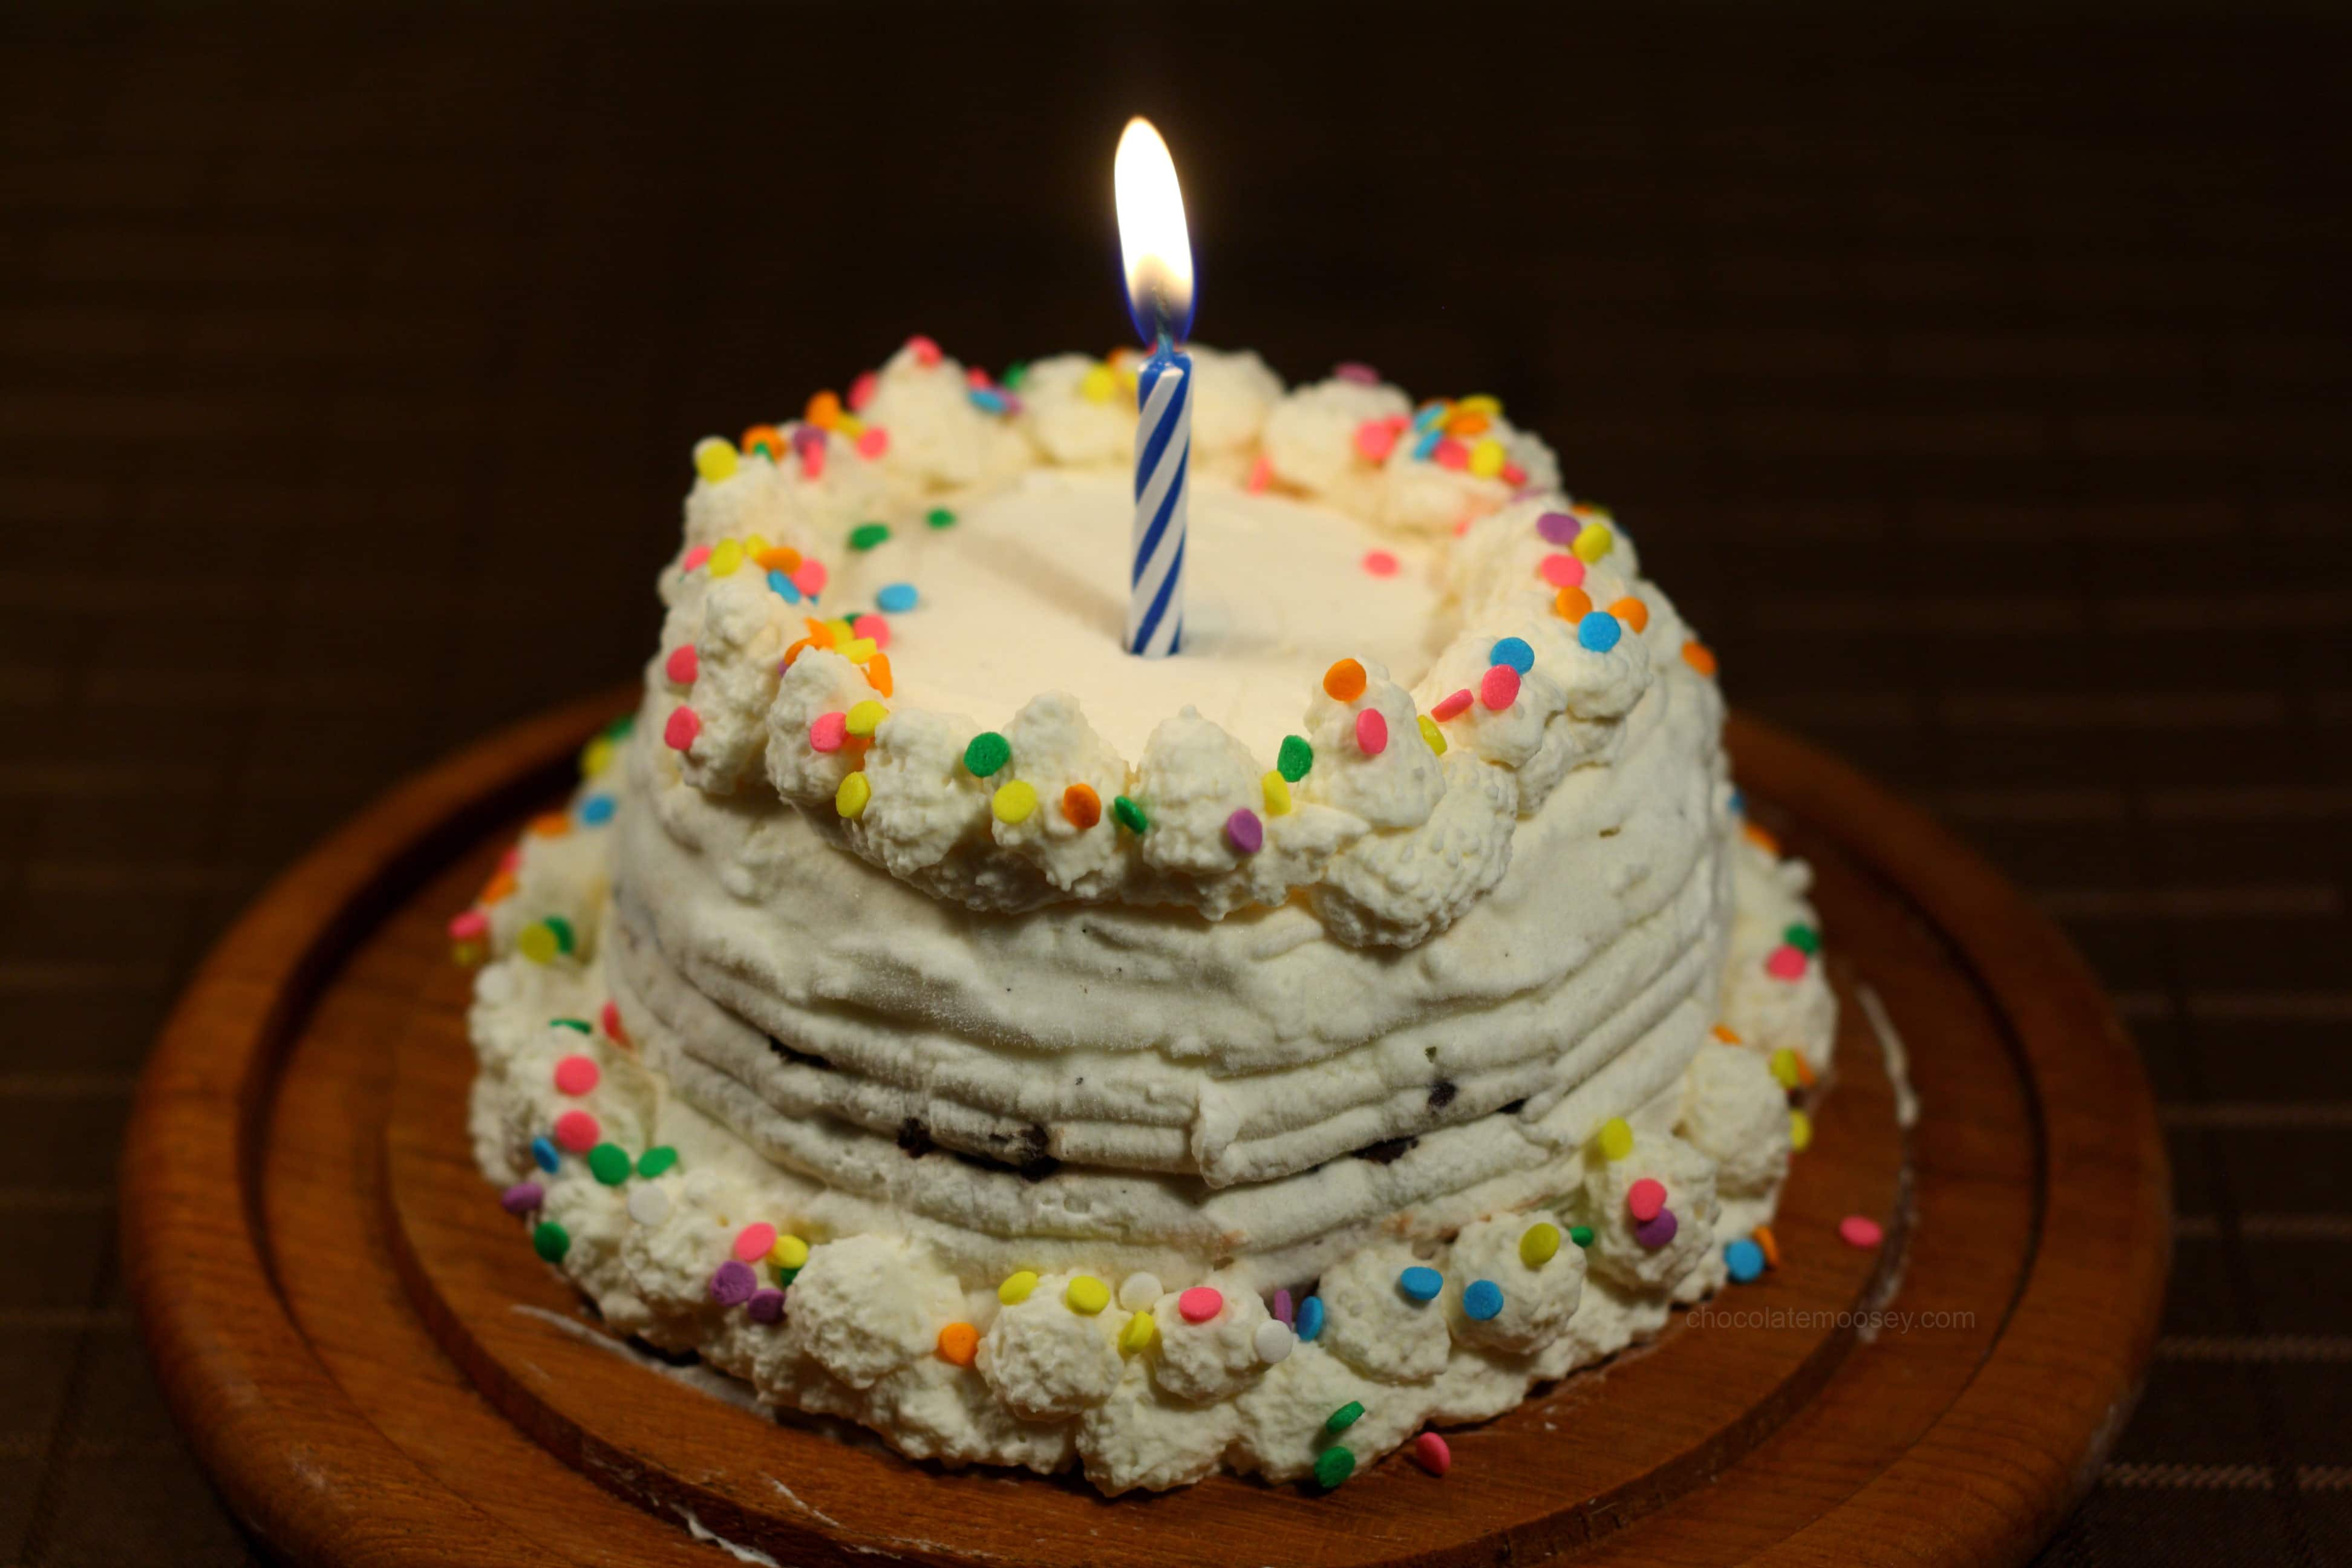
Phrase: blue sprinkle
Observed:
(1421, 1282)
(1310, 1317)
(1430, 418)
(1738, 803)
(1515, 652)
(1482, 1301)
(1745, 1258)
(786, 586)
(596, 810)
(543, 1154)
(1599, 631)
(986, 399)
(1427, 443)
(896, 598)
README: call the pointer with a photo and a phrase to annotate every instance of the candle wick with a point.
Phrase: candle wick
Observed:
(1166, 346)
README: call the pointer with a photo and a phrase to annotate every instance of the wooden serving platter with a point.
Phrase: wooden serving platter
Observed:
(375, 1367)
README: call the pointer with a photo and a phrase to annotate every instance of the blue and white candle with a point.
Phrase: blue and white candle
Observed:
(1158, 255)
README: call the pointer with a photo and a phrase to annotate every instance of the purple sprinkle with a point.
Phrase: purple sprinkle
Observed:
(522, 1198)
(733, 1284)
(1558, 527)
(1655, 1233)
(1282, 1308)
(805, 436)
(1012, 403)
(1246, 831)
(1357, 371)
(767, 1306)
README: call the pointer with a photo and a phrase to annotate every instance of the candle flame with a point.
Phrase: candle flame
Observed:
(1152, 240)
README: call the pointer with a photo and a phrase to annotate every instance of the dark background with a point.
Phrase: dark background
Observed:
(1978, 383)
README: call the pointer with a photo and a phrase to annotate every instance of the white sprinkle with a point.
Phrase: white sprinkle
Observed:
(1138, 1291)
(1275, 1340)
(648, 1204)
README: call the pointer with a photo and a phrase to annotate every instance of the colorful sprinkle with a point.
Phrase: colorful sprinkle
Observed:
(1561, 571)
(1785, 963)
(827, 731)
(576, 1075)
(987, 753)
(522, 1198)
(577, 1025)
(1425, 445)
(1558, 528)
(657, 1161)
(1763, 1234)
(550, 1240)
(1273, 1341)
(811, 578)
(1016, 1287)
(543, 1154)
(1371, 731)
(682, 665)
(561, 929)
(578, 1132)
(1283, 1308)
(822, 410)
(648, 1204)
(733, 1284)
(866, 535)
(1380, 563)
(1376, 440)
(1744, 1258)
(726, 558)
(1310, 1318)
(609, 1163)
(766, 1306)
(1487, 458)
(1644, 1198)
(1801, 1132)
(1656, 1232)
(1261, 475)
(1014, 802)
(537, 943)
(1452, 454)
(1482, 1299)
(1539, 1244)
(1450, 707)
(1598, 631)
(1140, 1330)
(1571, 603)
(1347, 1416)
(1616, 1138)
(1128, 814)
(864, 718)
(696, 554)
(1276, 789)
(1081, 806)
(1429, 1452)
(959, 1344)
(596, 810)
(874, 443)
(1344, 681)
(896, 598)
(714, 457)
(471, 925)
(1098, 384)
(1784, 1068)
(1087, 1295)
(752, 1242)
(1803, 938)
(1593, 541)
(1581, 1234)
(870, 628)
(1245, 832)
(789, 1252)
(1432, 734)
(1632, 612)
(940, 517)
(851, 795)
(1332, 1467)
(1296, 757)
(679, 732)
(777, 558)
(1356, 372)
(1512, 652)
(1861, 1230)
(1421, 1282)
(1499, 687)
(1201, 1303)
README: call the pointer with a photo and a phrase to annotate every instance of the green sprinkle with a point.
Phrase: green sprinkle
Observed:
(621, 726)
(1129, 816)
(579, 1024)
(1347, 1416)
(564, 938)
(784, 1277)
(551, 1241)
(988, 751)
(657, 1160)
(1581, 1234)
(1803, 938)
(1296, 757)
(1015, 375)
(609, 1163)
(866, 535)
(1333, 1466)
(940, 517)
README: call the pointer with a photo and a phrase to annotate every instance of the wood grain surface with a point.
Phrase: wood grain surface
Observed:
(377, 1371)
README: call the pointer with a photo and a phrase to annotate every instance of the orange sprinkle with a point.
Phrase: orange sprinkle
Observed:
(793, 652)
(1771, 1247)
(1804, 1071)
(1699, 657)
(501, 886)
(959, 1343)
(1082, 806)
(878, 673)
(1726, 1035)
(764, 438)
(1572, 604)
(1762, 840)
(778, 558)
(824, 410)
(1472, 423)
(555, 825)
(1632, 612)
(1344, 680)
(819, 633)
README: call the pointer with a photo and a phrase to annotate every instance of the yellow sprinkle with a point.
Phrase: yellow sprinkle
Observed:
(789, 1252)
(1616, 1138)
(755, 546)
(468, 955)
(595, 757)
(1277, 794)
(1537, 1244)
(1593, 541)
(850, 426)
(1140, 1330)
(862, 717)
(1479, 403)
(1433, 735)
(1800, 1130)
(1098, 384)
(726, 556)
(841, 631)
(1014, 802)
(851, 797)
(538, 943)
(714, 457)
(1784, 1068)
(1487, 458)
(1087, 1295)
(1016, 1287)
(857, 650)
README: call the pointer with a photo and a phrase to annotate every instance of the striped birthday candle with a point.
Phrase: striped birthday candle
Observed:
(1164, 463)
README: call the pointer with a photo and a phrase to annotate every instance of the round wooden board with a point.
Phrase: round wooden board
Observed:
(367, 1357)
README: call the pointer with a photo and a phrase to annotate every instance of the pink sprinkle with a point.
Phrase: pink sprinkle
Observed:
(1655, 1233)
(1499, 687)
(684, 725)
(1644, 1198)
(810, 577)
(695, 556)
(1429, 1452)
(1450, 707)
(1559, 527)
(1201, 1303)
(611, 1019)
(812, 456)
(471, 925)
(1246, 832)
(1786, 962)
(1376, 438)
(861, 391)
(1860, 1230)
(1371, 731)
(766, 1306)
(873, 443)
(510, 859)
(1282, 1310)
(1451, 454)
(1380, 563)
(926, 352)
(1261, 475)
(870, 625)
(751, 1243)
(1562, 571)
(576, 1075)
(827, 731)
(682, 665)
(1514, 475)
(734, 1284)
(577, 1131)
(1356, 371)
